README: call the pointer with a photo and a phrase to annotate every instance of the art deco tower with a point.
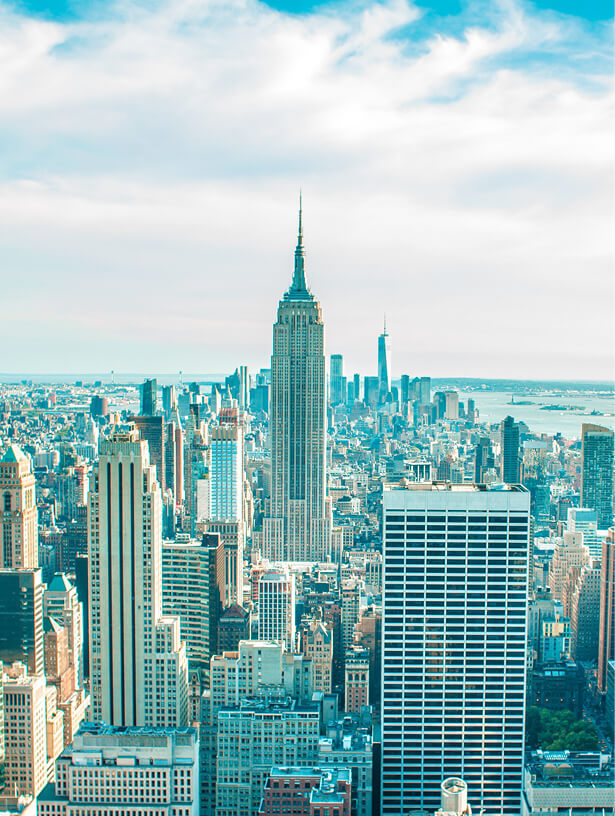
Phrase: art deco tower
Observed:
(138, 668)
(299, 524)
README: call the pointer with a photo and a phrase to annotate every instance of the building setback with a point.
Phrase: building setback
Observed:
(298, 526)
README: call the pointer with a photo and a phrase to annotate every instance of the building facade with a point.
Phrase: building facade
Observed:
(298, 525)
(606, 636)
(454, 650)
(18, 513)
(138, 666)
(126, 771)
(597, 472)
(276, 607)
(21, 618)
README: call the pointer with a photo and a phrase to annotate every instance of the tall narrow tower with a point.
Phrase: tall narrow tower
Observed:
(299, 524)
(18, 513)
(384, 364)
(138, 668)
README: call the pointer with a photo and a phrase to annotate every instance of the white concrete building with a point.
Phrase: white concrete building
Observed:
(454, 643)
(33, 730)
(138, 667)
(126, 772)
(276, 607)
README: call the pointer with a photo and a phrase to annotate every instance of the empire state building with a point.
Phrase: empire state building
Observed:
(298, 526)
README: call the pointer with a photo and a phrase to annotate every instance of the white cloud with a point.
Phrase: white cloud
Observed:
(461, 183)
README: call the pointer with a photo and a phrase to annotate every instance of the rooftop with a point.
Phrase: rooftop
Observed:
(464, 487)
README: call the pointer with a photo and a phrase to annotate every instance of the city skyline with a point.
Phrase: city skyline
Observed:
(172, 178)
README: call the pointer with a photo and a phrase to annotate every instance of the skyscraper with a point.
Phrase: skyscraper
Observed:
(21, 618)
(384, 364)
(455, 585)
(337, 381)
(597, 472)
(276, 607)
(484, 460)
(18, 514)
(193, 587)
(138, 668)
(511, 461)
(606, 635)
(226, 500)
(149, 397)
(151, 429)
(298, 526)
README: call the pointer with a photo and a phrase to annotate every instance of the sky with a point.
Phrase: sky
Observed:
(455, 158)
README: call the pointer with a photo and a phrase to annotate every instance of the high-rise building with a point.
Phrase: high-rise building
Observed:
(585, 614)
(144, 771)
(337, 381)
(21, 618)
(356, 679)
(484, 460)
(151, 430)
(371, 386)
(251, 740)
(606, 638)
(138, 668)
(298, 526)
(583, 520)
(18, 514)
(384, 364)
(317, 645)
(33, 730)
(234, 626)
(351, 592)
(60, 601)
(569, 551)
(192, 588)
(425, 390)
(149, 397)
(452, 405)
(226, 497)
(597, 472)
(454, 651)
(169, 400)
(276, 607)
(511, 458)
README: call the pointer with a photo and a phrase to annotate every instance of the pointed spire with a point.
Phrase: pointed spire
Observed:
(385, 324)
(298, 287)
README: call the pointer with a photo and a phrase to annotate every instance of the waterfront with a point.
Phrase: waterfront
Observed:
(493, 406)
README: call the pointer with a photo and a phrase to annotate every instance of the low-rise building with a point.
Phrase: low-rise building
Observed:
(348, 744)
(252, 739)
(129, 770)
(568, 783)
(307, 791)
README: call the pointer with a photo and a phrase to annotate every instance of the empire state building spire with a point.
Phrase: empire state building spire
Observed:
(298, 288)
(298, 526)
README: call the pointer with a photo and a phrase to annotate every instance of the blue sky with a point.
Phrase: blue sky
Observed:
(456, 161)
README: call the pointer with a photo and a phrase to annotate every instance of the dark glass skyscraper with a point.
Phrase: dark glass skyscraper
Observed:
(149, 397)
(597, 473)
(511, 462)
(21, 618)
